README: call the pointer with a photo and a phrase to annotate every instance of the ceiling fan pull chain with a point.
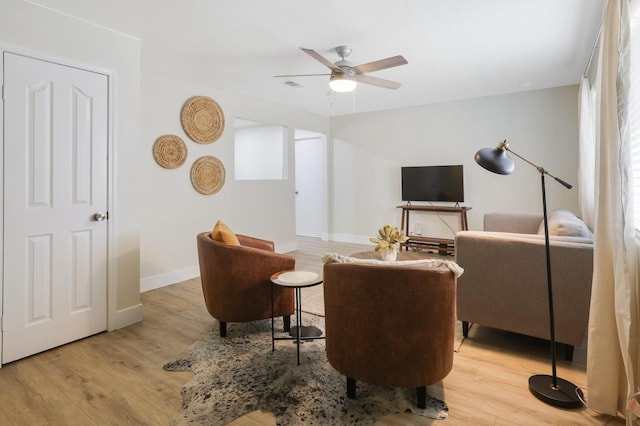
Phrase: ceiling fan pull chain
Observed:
(353, 100)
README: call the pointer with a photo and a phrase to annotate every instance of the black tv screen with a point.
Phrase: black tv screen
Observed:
(433, 183)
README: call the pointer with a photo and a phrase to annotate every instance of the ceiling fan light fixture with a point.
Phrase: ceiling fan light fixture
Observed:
(342, 84)
(345, 77)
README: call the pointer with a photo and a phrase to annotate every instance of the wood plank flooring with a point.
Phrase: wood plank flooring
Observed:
(117, 378)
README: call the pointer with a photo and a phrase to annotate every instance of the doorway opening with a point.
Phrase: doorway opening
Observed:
(310, 183)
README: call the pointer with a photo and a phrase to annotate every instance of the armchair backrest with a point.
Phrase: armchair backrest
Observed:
(390, 325)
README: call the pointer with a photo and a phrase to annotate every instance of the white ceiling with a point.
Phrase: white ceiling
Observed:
(456, 49)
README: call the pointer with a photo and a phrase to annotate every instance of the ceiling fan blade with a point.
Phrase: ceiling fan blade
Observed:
(301, 75)
(318, 57)
(382, 64)
(375, 81)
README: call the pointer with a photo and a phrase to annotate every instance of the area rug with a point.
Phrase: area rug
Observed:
(240, 373)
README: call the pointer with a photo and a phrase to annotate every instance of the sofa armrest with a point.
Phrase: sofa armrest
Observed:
(512, 222)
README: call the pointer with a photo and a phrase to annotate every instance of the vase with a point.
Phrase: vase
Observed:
(390, 256)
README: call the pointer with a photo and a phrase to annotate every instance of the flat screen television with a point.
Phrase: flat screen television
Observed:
(433, 183)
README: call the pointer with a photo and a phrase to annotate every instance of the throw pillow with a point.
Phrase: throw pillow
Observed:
(221, 232)
(565, 223)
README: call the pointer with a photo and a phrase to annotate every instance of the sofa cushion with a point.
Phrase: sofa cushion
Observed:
(565, 223)
(221, 232)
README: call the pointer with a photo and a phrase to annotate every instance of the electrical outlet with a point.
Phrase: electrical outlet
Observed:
(417, 229)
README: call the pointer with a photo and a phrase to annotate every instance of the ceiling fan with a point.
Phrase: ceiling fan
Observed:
(344, 76)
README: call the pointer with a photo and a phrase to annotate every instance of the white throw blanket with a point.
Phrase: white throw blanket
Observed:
(338, 258)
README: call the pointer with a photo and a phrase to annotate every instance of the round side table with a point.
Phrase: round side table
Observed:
(296, 280)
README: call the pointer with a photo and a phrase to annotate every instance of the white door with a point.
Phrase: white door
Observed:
(55, 182)
(310, 155)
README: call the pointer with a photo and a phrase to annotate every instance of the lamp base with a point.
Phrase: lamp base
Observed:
(565, 395)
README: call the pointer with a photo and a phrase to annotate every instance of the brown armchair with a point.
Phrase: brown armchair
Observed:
(235, 280)
(390, 325)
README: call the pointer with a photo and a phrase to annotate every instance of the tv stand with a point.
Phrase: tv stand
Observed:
(443, 245)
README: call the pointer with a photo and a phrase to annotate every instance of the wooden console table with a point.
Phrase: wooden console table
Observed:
(443, 245)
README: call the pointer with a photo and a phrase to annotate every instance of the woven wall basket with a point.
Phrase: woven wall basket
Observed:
(207, 175)
(202, 119)
(170, 151)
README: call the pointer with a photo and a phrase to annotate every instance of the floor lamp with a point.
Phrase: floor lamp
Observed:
(549, 389)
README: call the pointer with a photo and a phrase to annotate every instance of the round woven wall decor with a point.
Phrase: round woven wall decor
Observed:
(207, 175)
(202, 119)
(170, 151)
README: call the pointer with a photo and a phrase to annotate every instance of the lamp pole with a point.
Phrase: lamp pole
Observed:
(552, 324)
(549, 389)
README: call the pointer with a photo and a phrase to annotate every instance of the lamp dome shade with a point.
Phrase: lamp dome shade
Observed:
(495, 160)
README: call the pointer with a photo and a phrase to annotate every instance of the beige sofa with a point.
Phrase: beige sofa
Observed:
(505, 281)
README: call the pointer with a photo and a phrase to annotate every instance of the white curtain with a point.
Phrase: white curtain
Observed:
(586, 172)
(612, 357)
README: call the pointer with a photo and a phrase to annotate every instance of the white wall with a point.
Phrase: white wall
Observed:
(367, 151)
(29, 29)
(173, 212)
(159, 213)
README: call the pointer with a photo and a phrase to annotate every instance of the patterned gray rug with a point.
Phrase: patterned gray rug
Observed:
(240, 374)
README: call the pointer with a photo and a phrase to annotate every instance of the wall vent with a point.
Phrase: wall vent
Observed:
(292, 83)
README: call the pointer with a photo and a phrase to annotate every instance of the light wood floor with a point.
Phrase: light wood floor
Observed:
(116, 378)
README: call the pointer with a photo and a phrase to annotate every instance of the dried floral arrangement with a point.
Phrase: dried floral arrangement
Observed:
(388, 239)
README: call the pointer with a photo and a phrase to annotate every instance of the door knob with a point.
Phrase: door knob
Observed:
(99, 217)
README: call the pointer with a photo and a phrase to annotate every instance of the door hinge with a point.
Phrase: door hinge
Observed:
(2, 95)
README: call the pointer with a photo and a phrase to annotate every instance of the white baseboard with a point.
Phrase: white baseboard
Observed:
(349, 238)
(168, 278)
(179, 275)
(286, 247)
(128, 316)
